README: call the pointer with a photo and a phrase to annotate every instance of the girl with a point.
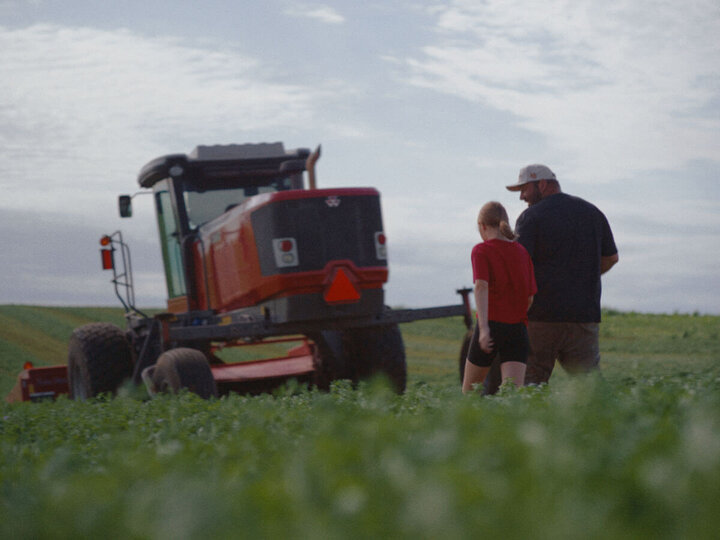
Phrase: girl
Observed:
(504, 281)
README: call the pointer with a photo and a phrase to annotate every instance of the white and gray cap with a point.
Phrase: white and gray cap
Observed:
(532, 173)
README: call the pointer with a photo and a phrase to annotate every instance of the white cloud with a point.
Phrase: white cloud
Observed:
(322, 13)
(614, 87)
(88, 106)
(15, 4)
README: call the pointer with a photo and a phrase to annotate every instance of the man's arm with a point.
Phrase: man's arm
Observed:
(607, 246)
(606, 263)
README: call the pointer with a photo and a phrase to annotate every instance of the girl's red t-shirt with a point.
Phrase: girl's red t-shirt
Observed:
(508, 269)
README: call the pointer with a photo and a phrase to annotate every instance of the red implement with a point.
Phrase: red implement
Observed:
(263, 375)
(38, 383)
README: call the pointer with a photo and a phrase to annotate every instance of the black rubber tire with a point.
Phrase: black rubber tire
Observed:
(374, 350)
(99, 360)
(184, 368)
(463, 353)
(492, 380)
(329, 359)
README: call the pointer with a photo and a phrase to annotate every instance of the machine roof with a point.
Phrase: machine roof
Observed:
(222, 159)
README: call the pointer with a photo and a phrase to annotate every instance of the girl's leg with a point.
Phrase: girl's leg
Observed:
(512, 370)
(473, 375)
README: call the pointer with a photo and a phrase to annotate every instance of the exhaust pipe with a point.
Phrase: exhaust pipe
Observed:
(310, 167)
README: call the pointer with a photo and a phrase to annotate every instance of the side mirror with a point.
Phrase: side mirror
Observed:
(125, 203)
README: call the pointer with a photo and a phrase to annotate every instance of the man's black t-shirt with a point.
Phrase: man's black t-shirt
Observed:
(566, 237)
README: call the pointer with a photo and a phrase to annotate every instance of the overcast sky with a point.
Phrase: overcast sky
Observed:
(438, 105)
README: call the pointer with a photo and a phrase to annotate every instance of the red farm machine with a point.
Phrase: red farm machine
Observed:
(252, 255)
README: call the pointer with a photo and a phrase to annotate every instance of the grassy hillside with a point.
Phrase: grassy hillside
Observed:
(634, 453)
(632, 344)
(40, 335)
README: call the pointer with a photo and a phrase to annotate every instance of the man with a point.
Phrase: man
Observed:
(571, 246)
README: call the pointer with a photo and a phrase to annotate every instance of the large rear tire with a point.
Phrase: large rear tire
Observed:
(329, 360)
(184, 368)
(99, 360)
(377, 350)
(492, 380)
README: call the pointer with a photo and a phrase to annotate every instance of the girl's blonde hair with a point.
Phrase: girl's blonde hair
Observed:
(493, 214)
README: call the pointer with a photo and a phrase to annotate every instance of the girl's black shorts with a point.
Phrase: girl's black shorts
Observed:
(510, 341)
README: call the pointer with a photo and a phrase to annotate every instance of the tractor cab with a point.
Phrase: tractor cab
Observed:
(194, 189)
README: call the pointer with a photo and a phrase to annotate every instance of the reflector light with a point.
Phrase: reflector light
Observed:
(380, 247)
(107, 259)
(285, 252)
(105, 241)
(341, 289)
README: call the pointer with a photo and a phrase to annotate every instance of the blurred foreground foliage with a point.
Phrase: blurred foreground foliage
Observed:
(589, 457)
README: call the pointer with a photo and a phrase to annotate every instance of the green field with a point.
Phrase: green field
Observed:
(631, 453)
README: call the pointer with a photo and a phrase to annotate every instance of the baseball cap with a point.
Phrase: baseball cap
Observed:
(532, 173)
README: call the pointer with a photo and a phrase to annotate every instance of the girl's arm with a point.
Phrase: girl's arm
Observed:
(481, 303)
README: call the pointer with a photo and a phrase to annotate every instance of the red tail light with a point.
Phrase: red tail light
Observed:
(380, 247)
(286, 252)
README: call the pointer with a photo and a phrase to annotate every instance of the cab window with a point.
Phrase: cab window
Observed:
(170, 242)
(209, 202)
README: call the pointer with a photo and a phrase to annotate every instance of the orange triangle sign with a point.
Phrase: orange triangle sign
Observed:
(341, 289)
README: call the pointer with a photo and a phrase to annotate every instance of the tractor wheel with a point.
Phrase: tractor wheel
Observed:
(99, 360)
(493, 378)
(464, 352)
(378, 349)
(184, 368)
(329, 359)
